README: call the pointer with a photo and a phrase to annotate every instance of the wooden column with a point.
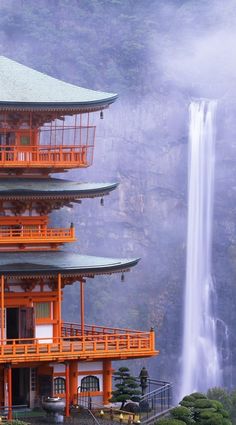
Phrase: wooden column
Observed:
(107, 381)
(2, 307)
(67, 366)
(59, 304)
(9, 385)
(82, 305)
(73, 378)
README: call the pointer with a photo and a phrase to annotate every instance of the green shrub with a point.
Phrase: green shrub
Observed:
(220, 395)
(206, 413)
(188, 398)
(198, 396)
(183, 414)
(187, 403)
(203, 403)
(170, 422)
(15, 422)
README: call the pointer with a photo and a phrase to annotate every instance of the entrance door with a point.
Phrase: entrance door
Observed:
(20, 386)
(26, 322)
(20, 323)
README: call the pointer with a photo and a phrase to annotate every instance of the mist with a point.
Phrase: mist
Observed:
(157, 55)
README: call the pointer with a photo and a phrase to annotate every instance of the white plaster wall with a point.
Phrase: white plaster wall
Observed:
(89, 366)
(58, 368)
(44, 331)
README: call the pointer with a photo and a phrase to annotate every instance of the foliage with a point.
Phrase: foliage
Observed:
(198, 396)
(221, 395)
(126, 387)
(184, 414)
(170, 422)
(202, 411)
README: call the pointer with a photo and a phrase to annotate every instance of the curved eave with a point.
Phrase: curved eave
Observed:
(92, 105)
(20, 189)
(66, 263)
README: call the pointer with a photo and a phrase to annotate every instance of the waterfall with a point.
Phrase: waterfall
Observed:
(200, 359)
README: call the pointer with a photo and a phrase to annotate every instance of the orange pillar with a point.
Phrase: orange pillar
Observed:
(59, 304)
(56, 318)
(82, 305)
(2, 307)
(73, 379)
(67, 366)
(9, 382)
(107, 381)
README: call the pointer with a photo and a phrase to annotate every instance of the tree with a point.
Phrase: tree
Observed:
(221, 395)
(126, 387)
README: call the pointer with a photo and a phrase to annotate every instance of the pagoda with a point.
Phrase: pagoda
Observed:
(45, 128)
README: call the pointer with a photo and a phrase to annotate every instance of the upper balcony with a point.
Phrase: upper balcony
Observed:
(94, 342)
(29, 233)
(61, 144)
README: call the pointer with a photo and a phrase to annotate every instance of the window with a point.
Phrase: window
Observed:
(59, 385)
(25, 140)
(90, 383)
(43, 310)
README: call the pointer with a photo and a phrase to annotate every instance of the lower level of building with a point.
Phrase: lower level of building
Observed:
(73, 380)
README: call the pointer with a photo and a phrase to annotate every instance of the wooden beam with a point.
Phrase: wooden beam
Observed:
(9, 379)
(67, 366)
(2, 307)
(59, 304)
(82, 305)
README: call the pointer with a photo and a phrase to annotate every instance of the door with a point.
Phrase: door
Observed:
(26, 323)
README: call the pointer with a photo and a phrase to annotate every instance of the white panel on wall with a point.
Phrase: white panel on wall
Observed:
(89, 366)
(58, 368)
(44, 331)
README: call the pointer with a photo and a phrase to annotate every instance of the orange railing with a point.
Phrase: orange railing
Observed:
(46, 156)
(24, 235)
(74, 329)
(129, 344)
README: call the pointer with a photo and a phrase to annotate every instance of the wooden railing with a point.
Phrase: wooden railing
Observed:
(74, 329)
(37, 235)
(128, 344)
(68, 156)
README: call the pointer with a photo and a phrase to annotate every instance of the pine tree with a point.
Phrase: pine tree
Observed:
(126, 387)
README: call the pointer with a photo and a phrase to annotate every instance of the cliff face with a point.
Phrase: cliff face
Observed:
(156, 55)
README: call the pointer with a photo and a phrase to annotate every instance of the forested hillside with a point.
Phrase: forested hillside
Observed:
(150, 52)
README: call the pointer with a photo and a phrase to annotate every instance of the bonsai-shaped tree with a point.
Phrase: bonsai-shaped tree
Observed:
(126, 387)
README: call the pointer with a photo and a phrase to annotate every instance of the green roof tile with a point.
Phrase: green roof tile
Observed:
(21, 85)
(41, 263)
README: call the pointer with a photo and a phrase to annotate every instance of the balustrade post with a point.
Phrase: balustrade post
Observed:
(9, 388)
(152, 339)
(107, 381)
(67, 389)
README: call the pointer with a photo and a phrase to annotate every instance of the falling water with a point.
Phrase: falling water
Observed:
(201, 369)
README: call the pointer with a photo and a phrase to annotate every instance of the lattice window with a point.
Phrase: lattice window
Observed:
(59, 385)
(90, 383)
(43, 310)
(33, 379)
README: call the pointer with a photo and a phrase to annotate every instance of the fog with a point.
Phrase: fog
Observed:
(157, 55)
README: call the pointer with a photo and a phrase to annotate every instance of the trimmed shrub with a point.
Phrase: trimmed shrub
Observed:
(183, 414)
(220, 395)
(187, 403)
(197, 396)
(170, 422)
(188, 398)
(203, 403)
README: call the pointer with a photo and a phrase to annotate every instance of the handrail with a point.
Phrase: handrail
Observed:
(96, 345)
(70, 326)
(59, 155)
(12, 235)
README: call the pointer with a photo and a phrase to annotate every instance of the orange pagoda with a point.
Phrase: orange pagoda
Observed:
(45, 128)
